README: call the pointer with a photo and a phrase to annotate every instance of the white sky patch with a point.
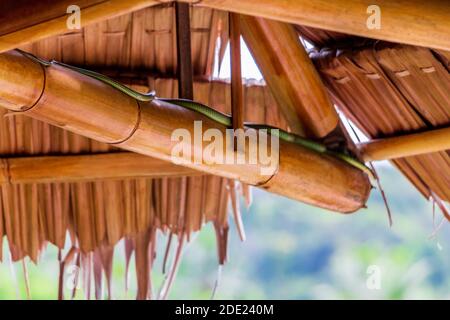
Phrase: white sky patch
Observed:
(358, 136)
(249, 68)
(354, 132)
(308, 45)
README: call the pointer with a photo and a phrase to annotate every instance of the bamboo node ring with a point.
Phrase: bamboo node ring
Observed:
(136, 126)
(24, 109)
(264, 183)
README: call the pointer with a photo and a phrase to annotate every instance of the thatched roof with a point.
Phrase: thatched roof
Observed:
(390, 90)
(141, 40)
(385, 89)
(99, 214)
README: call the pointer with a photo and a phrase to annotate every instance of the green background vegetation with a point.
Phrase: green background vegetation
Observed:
(294, 251)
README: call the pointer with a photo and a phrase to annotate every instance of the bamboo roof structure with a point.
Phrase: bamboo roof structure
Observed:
(82, 159)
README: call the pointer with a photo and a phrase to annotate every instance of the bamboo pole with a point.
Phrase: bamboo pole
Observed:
(289, 72)
(416, 22)
(29, 28)
(406, 146)
(184, 51)
(93, 109)
(237, 103)
(75, 168)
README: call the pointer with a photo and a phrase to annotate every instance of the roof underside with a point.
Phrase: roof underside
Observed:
(385, 89)
(390, 90)
(130, 48)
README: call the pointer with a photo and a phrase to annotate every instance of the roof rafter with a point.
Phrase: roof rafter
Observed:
(406, 145)
(416, 22)
(21, 27)
(291, 76)
(88, 167)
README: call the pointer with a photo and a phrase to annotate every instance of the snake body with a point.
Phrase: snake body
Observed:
(206, 111)
(227, 121)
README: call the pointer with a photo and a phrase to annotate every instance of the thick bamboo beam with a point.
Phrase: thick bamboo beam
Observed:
(289, 72)
(76, 168)
(406, 146)
(29, 21)
(416, 22)
(93, 109)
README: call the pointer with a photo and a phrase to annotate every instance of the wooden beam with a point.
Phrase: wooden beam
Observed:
(26, 21)
(21, 14)
(406, 146)
(290, 74)
(237, 103)
(184, 59)
(79, 104)
(75, 168)
(416, 22)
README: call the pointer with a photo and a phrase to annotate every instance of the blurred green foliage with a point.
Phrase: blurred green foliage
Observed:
(294, 251)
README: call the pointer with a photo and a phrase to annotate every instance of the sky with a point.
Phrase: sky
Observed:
(249, 68)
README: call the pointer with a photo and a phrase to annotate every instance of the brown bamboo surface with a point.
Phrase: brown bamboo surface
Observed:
(406, 145)
(144, 39)
(87, 167)
(58, 207)
(405, 21)
(26, 21)
(98, 214)
(416, 22)
(286, 67)
(105, 114)
(390, 90)
(386, 91)
(237, 111)
(65, 202)
(21, 14)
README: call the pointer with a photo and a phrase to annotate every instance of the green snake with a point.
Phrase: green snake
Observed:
(206, 111)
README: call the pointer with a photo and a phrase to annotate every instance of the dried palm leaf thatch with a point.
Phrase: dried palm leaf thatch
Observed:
(24, 22)
(98, 214)
(141, 40)
(390, 90)
(108, 115)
